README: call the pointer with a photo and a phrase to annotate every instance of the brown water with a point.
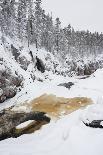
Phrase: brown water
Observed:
(57, 106)
(54, 107)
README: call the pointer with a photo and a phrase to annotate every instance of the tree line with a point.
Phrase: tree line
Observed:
(27, 21)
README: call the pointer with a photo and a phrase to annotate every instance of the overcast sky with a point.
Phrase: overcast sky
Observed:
(81, 14)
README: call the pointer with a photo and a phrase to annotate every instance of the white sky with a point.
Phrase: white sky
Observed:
(81, 14)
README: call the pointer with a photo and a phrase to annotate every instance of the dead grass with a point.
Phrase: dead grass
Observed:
(56, 106)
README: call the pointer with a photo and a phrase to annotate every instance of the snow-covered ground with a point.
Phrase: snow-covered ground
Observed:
(68, 135)
(23, 125)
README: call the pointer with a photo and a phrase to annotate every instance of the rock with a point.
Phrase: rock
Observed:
(28, 128)
(9, 92)
(80, 71)
(10, 119)
(2, 98)
(84, 77)
(8, 84)
(16, 81)
(40, 65)
(1, 61)
(15, 52)
(6, 78)
(32, 57)
(2, 81)
(23, 62)
(90, 68)
(33, 77)
(67, 85)
(1, 92)
(94, 124)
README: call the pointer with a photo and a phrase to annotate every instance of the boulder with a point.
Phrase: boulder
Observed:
(9, 92)
(67, 85)
(40, 65)
(16, 80)
(2, 81)
(15, 52)
(23, 62)
(95, 124)
(1, 92)
(10, 119)
(2, 98)
(8, 84)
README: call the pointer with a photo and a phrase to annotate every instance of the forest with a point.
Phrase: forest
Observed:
(26, 20)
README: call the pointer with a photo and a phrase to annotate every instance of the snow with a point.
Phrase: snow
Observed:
(68, 135)
(21, 108)
(101, 123)
(2, 67)
(25, 124)
(94, 112)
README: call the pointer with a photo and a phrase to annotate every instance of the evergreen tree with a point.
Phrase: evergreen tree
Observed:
(67, 33)
(13, 19)
(47, 33)
(22, 19)
(38, 23)
(57, 33)
(5, 15)
(30, 20)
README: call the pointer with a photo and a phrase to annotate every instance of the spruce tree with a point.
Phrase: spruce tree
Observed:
(22, 19)
(38, 23)
(57, 33)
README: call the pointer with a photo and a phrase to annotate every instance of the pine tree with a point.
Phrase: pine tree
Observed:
(47, 32)
(22, 20)
(67, 34)
(57, 33)
(30, 20)
(5, 15)
(38, 23)
(12, 19)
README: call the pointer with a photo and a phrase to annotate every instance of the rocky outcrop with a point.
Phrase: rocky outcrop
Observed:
(19, 58)
(67, 85)
(2, 98)
(23, 62)
(15, 52)
(16, 80)
(10, 119)
(8, 84)
(95, 124)
(9, 92)
(40, 65)
(84, 77)
(28, 129)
